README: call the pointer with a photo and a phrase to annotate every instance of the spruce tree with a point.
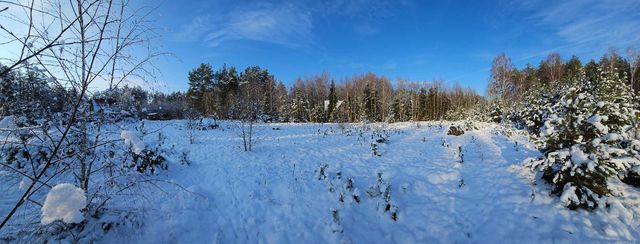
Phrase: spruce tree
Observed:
(587, 140)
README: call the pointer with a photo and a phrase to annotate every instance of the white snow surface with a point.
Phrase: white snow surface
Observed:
(64, 202)
(274, 195)
(7, 123)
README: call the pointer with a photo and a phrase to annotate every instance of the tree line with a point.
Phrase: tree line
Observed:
(511, 84)
(225, 93)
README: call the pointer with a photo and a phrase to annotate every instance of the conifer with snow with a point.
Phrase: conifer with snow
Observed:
(496, 112)
(587, 140)
(536, 109)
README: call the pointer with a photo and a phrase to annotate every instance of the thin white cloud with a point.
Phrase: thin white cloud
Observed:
(280, 24)
(359, 8)
(284, 23)
(592, 25)
(365, 29)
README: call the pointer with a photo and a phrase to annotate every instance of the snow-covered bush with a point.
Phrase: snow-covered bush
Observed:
(209, 123)
(22, 148)
(587, 140)
(143, 158)
(455, 131)
(133, 141)
(91, 156)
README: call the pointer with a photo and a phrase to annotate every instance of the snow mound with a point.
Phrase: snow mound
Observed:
(8, 123)
(442, 178)
(132, 140)
(63, 202)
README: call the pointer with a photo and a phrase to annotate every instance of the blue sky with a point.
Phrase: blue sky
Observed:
(414, 40)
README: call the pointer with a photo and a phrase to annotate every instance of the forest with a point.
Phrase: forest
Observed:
(319, 98)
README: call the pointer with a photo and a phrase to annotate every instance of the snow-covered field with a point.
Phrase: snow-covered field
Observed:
(278, 194)
(313, 183)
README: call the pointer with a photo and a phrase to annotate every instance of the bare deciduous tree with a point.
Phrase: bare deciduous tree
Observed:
(76, 44)
(501, 71)
(634, 62)
(552, 68)
(246, 109)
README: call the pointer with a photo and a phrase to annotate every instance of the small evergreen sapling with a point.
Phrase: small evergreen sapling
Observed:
(383, 189)
(336, 227)
(322, 172)
(375, 150)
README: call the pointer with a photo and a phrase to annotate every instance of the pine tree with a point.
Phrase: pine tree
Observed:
(281, 102)
(201, 80)
(591, 70)
(269, 100)
(587, 140)
(368, 103)
(333, 101)
(573, 70)
(432, 104)
(299, 109)
(228, 86)
(396, 111)
(423, 109)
